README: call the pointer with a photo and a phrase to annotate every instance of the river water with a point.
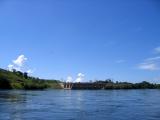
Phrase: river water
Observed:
(80, 105)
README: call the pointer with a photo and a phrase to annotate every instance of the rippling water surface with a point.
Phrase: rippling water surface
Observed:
(80, 105)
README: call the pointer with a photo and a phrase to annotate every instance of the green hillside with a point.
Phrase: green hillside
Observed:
(19, 80)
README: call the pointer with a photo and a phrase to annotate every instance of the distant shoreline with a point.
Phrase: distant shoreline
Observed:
(18, 80)
(110, 85)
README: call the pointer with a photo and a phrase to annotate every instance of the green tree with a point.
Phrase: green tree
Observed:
(25, 75)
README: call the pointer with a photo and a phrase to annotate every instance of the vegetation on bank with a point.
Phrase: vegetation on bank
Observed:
(19, 80)
(109, 84)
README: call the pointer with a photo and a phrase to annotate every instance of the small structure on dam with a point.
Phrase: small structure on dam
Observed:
(67, 86)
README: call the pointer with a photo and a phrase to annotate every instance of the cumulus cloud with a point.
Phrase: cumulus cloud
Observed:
(18, 64)
(29, 71)
(20, 60)
(80, 77)
(69, 79)
(10, 67)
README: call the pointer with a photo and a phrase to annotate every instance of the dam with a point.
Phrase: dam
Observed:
(84, 85)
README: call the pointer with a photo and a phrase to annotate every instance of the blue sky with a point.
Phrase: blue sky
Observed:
(117, 39)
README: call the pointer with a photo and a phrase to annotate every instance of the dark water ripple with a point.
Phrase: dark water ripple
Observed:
(80, 105)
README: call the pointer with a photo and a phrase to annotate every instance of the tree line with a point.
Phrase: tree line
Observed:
(109, 84)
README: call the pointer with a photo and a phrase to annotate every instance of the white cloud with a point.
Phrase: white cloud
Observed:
(18, 65)
(153, 59)
(80, 77)
(20, 60)
(69, 79)
(148, 66)
(29, 71)
(157, 49)
(10, 67)
(152, 63)
(120, 61)
(157, 78)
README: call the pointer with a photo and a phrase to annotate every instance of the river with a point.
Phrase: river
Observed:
(80, 105)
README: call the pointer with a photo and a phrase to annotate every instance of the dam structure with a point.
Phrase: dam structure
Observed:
(83, 85)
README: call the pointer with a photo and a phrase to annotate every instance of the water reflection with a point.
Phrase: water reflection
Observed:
(12, 96)
(15, 101)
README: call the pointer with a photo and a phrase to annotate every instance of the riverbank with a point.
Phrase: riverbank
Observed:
(109, 85)
(19, 80)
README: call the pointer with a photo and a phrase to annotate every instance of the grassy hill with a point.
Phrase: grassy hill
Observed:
(19, 80)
